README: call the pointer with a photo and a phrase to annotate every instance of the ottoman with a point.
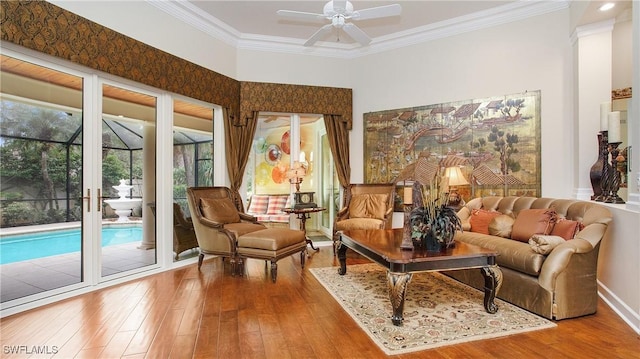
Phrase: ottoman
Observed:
(271, 244)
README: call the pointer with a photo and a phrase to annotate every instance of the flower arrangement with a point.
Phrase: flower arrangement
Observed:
(433, 223)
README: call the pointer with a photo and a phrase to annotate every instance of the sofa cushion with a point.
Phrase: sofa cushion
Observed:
(242, 228)
(501, 226)
(464, 214)
(511, 254)
(542, 244)
(359, 223)
(532, 221)
(480, 220)
(220, 210)
(271, 239)
(368, 206)
(566, 228)
(259, 204)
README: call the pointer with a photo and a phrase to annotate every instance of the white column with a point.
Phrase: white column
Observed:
(633, 116)
(148, 185)
(592, 85)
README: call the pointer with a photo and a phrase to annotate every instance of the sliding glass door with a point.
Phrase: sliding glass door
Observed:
(41, 169)
(128, 179)
(286, 140)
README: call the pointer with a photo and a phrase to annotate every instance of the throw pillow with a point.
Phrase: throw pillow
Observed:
(533, 221)
(220, 210)
(368, 206)
(259, 204)
(464, 214)
(501, 226)
(480, 219)
(566, 229)
(276, 204)
(544, 244)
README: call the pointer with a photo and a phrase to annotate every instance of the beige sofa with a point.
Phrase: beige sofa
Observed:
(557, 285)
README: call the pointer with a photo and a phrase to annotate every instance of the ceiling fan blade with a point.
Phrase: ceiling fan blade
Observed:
(377, 12)
(319, 34)
(301, 15)
(356, 34)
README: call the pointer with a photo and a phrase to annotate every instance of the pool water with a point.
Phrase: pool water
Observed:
(22, 247)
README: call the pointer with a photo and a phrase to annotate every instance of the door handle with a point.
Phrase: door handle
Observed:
(88, 197)
(99, 200)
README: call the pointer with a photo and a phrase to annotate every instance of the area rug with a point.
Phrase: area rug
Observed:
(438, 310)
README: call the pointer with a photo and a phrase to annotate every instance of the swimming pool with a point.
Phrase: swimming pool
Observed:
(22, 247)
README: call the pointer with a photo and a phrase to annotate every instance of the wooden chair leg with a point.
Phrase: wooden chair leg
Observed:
(274, 271)
(303, 257)
(200, 259)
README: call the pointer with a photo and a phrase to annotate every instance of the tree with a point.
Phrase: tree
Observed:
(42, 154)
(504, 144)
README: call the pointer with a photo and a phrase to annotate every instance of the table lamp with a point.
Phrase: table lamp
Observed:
(455, 179)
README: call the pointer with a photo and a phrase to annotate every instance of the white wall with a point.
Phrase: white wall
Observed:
(532, 54)
(259, 66)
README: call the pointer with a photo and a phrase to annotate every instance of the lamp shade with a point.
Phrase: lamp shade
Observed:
(455, 177)
(297, 171)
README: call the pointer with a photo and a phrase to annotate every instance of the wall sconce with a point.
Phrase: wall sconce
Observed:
(296, 174)
(455, 178)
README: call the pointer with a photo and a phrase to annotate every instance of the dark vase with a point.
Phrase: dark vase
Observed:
(595, 173)
(431, 244)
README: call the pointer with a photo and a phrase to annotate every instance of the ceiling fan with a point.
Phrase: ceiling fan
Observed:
(339, 12)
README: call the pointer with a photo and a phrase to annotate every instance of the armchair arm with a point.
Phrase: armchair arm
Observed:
(184, 222)
(247, 217)
(211, 224)
(343, 213)
(558, 260)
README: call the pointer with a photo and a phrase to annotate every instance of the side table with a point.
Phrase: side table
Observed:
(303, 214)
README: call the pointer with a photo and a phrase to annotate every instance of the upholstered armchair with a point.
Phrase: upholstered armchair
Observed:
(223, 229)
(218, 222)
(366, 206)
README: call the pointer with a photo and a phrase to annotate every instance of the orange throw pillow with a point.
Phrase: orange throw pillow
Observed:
(533, 221)
(566, 229)
(480, 219)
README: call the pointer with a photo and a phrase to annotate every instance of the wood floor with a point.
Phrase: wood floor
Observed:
(210, 314)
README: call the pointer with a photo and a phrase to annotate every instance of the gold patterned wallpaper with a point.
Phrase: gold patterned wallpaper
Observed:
(260, 96)
(46, 28)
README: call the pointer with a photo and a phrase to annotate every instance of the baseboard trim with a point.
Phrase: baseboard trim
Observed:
(618, 306)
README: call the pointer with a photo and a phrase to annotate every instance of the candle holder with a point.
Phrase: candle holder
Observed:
(407, 243)
(606, 168)
(614, 182)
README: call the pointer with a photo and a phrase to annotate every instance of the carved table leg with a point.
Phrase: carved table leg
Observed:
(397, 288)
(492, 283)
(342, 257)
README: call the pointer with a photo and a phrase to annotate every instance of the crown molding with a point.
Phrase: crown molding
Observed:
(514, 11)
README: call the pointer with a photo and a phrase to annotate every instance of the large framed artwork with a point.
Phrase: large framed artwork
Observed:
(495, 141)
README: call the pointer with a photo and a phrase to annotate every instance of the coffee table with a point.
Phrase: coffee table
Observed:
(382, 246)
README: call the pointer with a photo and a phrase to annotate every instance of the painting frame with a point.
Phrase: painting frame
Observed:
(494, 140)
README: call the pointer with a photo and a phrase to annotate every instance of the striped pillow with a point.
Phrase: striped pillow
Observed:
(276, 204)
(259, 204)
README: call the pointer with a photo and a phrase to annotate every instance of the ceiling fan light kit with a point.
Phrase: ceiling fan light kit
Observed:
(339, 12)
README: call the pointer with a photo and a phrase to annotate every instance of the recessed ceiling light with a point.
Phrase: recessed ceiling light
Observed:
(607, 6)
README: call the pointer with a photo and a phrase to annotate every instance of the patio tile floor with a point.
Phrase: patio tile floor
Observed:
(33, 276)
